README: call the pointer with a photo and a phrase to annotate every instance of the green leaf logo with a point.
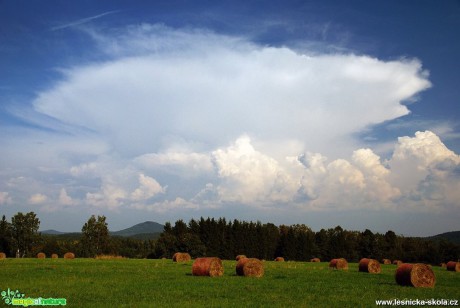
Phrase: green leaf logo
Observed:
(8, 295)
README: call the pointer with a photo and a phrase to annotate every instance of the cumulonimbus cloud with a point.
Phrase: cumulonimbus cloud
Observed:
(209, 89)
(421, 173)
(191, 119)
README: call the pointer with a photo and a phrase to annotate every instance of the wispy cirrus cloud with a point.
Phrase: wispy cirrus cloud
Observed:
(83, 20)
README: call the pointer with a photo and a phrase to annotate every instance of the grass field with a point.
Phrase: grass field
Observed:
(163, 283)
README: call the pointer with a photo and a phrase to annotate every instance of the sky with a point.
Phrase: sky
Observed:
(321, 113)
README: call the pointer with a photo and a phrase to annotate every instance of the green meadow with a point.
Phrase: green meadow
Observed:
(163, 283)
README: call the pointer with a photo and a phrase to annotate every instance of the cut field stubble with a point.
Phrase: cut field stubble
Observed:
(162, 283)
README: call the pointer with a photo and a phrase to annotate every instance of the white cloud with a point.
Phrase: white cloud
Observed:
(248, 176)
(424, 150)
(110, 196)
(148, 188)
(65, 199)
(119, 183)
(359, 183)
(84, 169)
(257, 126)
(5, 198)
(426, 170)
(378, 187)
(37, 199)
(207, 197)
(422, 173)
(175, 205)
(208, 88)
(183, 163)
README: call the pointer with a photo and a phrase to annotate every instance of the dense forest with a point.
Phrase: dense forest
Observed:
(224, 239)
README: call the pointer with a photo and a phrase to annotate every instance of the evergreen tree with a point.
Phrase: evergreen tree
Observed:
(180, 228)
(306, 247)
(297, 242)
(167, 228)
(5, 236)
(337, 243)
(322, 242)
(270, 238)
(166, 246)
(448, 251)
(366, 244)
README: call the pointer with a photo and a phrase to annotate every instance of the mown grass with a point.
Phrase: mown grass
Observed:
(163, 283)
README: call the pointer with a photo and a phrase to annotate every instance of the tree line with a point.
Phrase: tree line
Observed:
(20, 238)
(227, 239)
(224, 239)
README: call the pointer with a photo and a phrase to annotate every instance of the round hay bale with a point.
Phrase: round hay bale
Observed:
(2, 255)
(339, 264)
(415, 275)
(369, 266)
(279, 259)
(443, 265)
(41, 255)
(181, 257)
(54, 256)
(250, 267)
(386, 261)
(315, 260)
(238, 257)
(69, 255)
(397, 262)
(453, 266)
(210, 266)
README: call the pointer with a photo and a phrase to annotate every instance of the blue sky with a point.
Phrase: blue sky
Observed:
(325, 113)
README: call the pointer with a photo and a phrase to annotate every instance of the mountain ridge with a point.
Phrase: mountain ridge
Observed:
(143, 229)
(452, 236)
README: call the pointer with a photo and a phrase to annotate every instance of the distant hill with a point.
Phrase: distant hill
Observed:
(453, 237)
(148, 230)
(64, 236)
(142, 228)
(52, 232)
